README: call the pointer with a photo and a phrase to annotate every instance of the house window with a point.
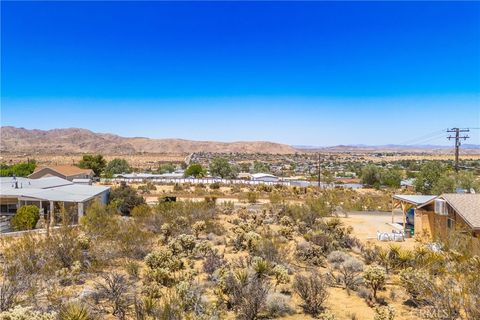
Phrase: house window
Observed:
(450, 223)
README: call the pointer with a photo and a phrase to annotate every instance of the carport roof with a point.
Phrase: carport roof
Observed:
(417, 200)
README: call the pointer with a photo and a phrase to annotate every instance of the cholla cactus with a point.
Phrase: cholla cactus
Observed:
(198, 227)
(374, 278)
(281, 275)
(286, 231)
(166, 230)
(252, 239)
(25, 313)
(203, 248)
(84, 242)
(286, 221)
(327, 315)
(384, 313)
(163, 258)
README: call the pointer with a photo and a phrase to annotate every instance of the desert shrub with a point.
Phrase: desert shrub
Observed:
(215, 185)
(100, 221)
(133, 268)
(69, 275)
(212, 262)
(132, 241)
(75, 311)
(312, 289)
(125, 198)
(14, 282)
(115, 291)
(141, 211)
(375, 278)
(370, 254)
(270, 248)
(346, 269)
(278, 305)
(253, 298)
(26, 313)
(64, 247)
(310, 253)
(252, 197)
(26, 218)
(191, 296)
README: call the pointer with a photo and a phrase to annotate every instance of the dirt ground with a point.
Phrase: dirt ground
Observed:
(366, 224)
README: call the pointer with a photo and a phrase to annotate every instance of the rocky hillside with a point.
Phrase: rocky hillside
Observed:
(74, 140)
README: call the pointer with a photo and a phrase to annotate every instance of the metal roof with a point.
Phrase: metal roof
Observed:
(263, 175)
(50, 189)
(417, 200)
(26, 183)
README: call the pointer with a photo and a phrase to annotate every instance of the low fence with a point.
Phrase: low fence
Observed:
(297, 183)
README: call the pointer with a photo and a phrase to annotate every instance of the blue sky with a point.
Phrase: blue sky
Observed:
(311, 73)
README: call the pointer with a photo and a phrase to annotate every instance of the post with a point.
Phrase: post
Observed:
(80, 210)
(52, 214)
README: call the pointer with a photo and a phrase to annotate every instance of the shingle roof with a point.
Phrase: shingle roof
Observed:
(466, 205)
(66, 170)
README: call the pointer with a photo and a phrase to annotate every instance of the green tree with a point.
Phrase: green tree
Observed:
(166, 168)
(125, 198)
(371, 175)
(21, 169)
(220, 167)
(429, 176)
(95, 162)
(466, 180)
(261, 167)
(195, 170)
(117, 166)
(26, 218)
(445, 184)
(391, 178)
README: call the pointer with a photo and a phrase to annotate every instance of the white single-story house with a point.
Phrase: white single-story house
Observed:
(49, 194)
(265, 177)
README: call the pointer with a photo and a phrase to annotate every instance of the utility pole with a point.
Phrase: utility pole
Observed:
(457, 138)
(319, 173)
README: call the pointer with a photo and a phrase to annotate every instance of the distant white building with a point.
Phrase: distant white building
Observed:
(265, 177)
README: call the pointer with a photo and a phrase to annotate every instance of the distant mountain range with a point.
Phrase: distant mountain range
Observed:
(74, 140)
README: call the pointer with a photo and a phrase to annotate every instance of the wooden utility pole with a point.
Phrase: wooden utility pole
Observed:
(457, 138)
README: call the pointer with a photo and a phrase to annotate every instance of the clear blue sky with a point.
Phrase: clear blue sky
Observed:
(308, 73)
